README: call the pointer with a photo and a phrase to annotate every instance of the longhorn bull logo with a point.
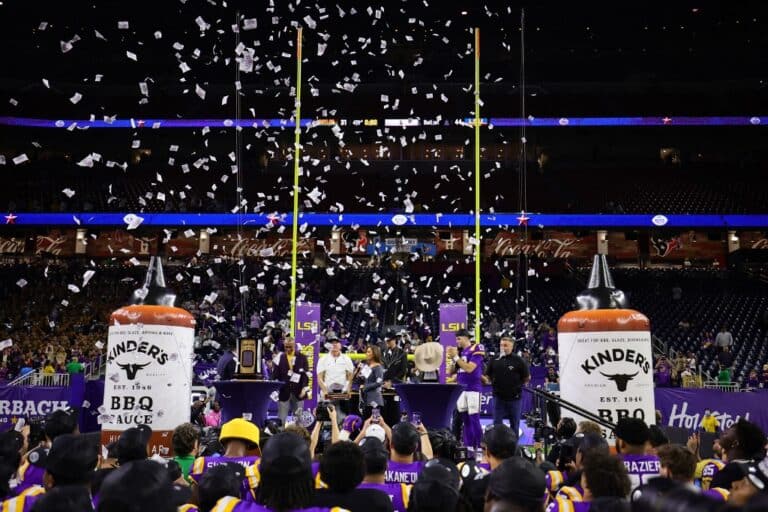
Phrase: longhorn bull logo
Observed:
(621, 379)
(132, 369)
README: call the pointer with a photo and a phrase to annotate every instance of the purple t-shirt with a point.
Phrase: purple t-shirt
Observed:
(25, 500)
(398, 493)
(230, 504)
(641, 468)
(472, 380)
(402, 472)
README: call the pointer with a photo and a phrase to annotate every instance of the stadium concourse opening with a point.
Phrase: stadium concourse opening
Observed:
(398, 256)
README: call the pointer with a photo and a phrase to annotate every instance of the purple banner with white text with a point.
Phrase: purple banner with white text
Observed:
(306, 334)
(32, 403)
(685, 407)
(453, 317)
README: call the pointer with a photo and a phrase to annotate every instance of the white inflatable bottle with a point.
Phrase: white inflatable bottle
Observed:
(605, 353)
(149, 365)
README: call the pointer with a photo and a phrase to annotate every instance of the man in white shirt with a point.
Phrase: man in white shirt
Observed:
(334, 375)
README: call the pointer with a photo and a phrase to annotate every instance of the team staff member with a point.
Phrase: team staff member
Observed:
(508, 374)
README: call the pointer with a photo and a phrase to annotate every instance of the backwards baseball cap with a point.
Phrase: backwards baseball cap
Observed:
(500, 441)
(376, 431)
(374, 454)
(132, 445)
(632, 431)
(240, 428)
(756, 473)
(437, 487)
(60, 422)
(463, 332)
(285, 454)
(72, 459)
(518, 481)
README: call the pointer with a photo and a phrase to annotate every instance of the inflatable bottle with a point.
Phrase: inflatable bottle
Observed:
(149, 364)
(605, 353)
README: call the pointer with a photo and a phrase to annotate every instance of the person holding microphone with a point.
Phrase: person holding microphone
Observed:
(372, 375)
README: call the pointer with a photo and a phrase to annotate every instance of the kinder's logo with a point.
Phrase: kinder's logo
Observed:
(131, 370)
(620, 379)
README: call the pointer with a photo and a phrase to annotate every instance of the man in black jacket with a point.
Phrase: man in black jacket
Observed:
(508, 374)
(395, 363)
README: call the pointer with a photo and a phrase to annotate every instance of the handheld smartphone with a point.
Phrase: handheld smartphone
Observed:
(416, 418)
(376, 415)
(20, 423)
(290, 420)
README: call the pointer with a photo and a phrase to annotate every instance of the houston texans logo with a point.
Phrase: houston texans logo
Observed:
(665, 247)
(621, 379)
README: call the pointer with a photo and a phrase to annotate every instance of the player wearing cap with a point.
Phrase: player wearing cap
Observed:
(71, 460)
(238, 436)
(753, 481)
(31, 472)
(376, 460)
(516, 484)
(469, 368)
(395, 363)
(437, 488)
(632, 434)
(342, 468)
(286, 480)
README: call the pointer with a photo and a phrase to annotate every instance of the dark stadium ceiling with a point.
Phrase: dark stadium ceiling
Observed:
(418, 52)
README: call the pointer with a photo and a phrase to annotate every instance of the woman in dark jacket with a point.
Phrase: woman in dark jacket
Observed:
(372, 374)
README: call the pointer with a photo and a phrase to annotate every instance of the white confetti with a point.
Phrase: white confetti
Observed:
(68, 192)
(20, 159)
(87, 277)
(123, 25)
(133, 221)
(73, 288)
(250, 23)
(21, 283)
(200, 91)
(75, 99)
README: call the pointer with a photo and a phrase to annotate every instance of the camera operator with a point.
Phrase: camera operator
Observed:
(566, 428)
(507, 374)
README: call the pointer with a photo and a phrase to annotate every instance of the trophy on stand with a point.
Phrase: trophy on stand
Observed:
(250, 355)
(427, 359)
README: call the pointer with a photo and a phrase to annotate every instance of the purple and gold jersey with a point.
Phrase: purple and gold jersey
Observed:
(24, 501)
(402, 472)
(230, 504)
(398, 493)
(563, 505)
(571, 492)
(472, 380)
(554, 480)
(250, 464)
(708, 472)
(641, 468)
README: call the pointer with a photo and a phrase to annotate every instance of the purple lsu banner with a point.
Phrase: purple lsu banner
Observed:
(32, 403)
(306, 333)
(453, 317)
(681, 407)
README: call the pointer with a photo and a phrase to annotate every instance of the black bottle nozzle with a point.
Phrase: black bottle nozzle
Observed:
(601, 293)
(154, 292)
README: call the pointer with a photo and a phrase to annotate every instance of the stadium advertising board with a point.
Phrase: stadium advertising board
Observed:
(554, 244)
(307, 329)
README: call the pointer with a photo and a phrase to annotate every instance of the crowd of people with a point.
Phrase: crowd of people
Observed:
(372, 466)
